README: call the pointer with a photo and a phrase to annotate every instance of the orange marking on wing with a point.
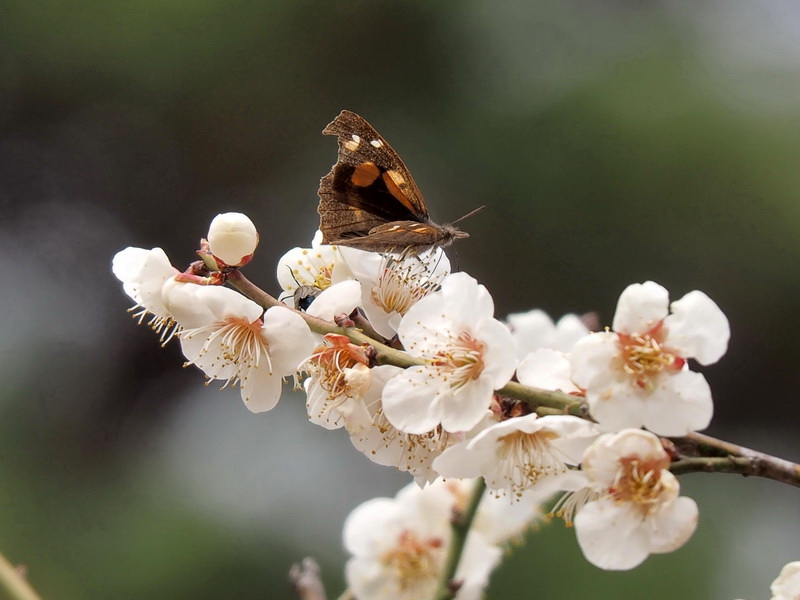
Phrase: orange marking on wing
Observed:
(364, 174)
(393, 180)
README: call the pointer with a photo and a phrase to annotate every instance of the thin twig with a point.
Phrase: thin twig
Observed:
(693, 446)
(704, 453)
(306, 580)
(12, 581)
(460, 526)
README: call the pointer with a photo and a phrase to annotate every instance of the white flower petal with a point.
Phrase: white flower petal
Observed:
(499, 357)
(340, 298)
(569, 329)
(697, 328)
(415, 403)
(641, 306)
(408, 400)
(183, 303)
(615, 404)
(787, 584)
(289, 339)
(477, 562)
(683, 405)
(610, 535)
(546, 369)
(532, 330)
(261, 389)
(143, 274)
(362, 540)
(458, 286)
(591, 356)
(462, 461)
(501, 519)
(602, 459)
(672, 525)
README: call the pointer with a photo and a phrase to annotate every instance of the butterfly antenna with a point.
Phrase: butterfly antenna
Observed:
(469, 214)
(455, 255)
(438, 261)
(292, 274)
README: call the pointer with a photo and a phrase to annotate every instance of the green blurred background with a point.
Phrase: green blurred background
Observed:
(612, 142)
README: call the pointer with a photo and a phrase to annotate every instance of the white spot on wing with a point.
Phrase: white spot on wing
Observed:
(376, 143)
(353, 144)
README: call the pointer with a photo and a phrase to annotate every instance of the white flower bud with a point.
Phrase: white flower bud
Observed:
(232, 238)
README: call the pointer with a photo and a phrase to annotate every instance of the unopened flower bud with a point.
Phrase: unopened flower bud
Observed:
(232, 238)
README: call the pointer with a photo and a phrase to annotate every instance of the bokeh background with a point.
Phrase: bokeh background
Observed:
(611, 142)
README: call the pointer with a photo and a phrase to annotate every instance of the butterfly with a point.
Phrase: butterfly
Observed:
(369, 199)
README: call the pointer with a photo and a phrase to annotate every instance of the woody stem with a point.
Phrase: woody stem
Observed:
(699, 452)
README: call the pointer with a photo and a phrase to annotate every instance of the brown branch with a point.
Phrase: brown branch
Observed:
(700, 451)
(707, 454)
(306, 580)
(748, 467)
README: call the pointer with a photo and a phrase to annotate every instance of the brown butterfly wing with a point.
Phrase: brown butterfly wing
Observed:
(368, 187)
(397, 236)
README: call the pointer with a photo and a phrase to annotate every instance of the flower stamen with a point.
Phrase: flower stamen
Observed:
(414, 560)
(644, 357)
(524, 459)
(639, 482)
(461, 361)
(403, 281)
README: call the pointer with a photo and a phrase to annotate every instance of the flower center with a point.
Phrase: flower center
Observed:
(414, 561)
(238, 346)
(328, 363)
(461, 361)
(323, 278)
(525, 458)
(644, 357)
(403, 281)
(639, 482)
(312, 269)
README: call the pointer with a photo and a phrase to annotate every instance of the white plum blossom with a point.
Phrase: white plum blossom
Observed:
(341, 385)
(637, 510)
(318, 280)
(319, 267)
(226, 336)
(143, 274)
(232, 238)
(384, 444)
(399, 547)
(547, 369)
(787, 585)
(535, 329)
(467, 355)
(501, 521)
(521, 454)
(392, 283)
(340, 298)
(637, 374)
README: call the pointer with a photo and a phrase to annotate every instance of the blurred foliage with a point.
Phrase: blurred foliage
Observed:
(611, 143)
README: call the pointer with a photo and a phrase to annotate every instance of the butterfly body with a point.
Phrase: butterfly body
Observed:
(369, 199)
